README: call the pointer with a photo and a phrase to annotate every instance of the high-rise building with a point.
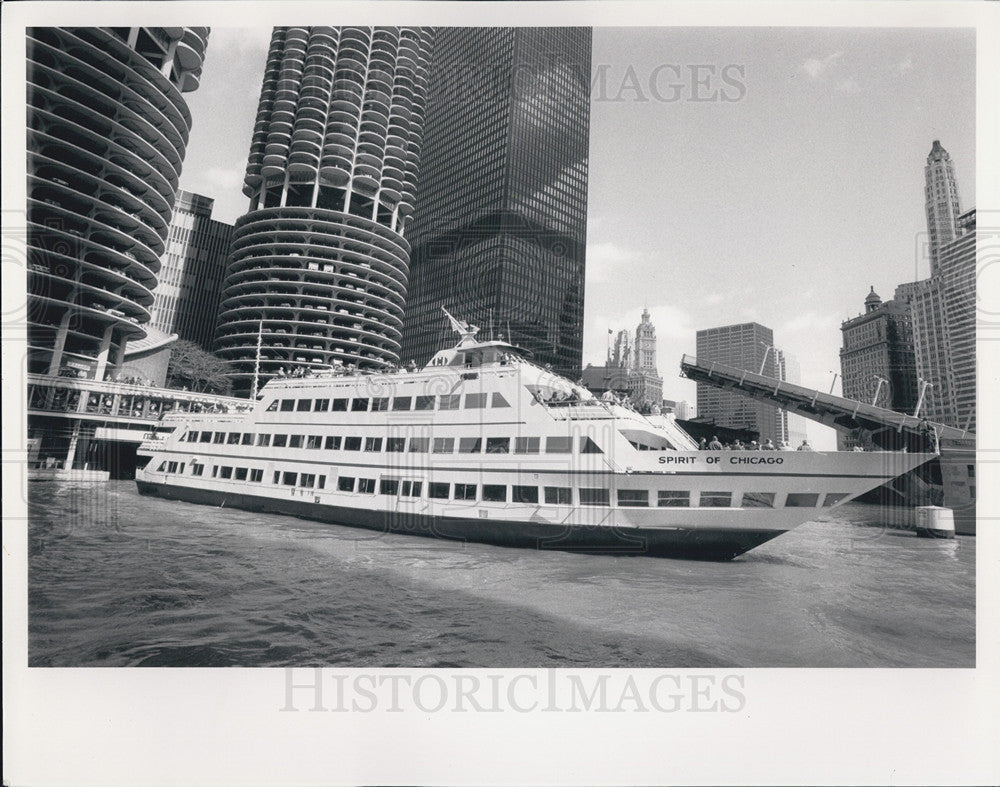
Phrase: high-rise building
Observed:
(647, 385)
(186, 298)
(499, 229)
(107, 132)
(746, 346)
(878, 346)
(940, 202)
(957, 267)
(319, 264)
(622, 349)
(930, 348)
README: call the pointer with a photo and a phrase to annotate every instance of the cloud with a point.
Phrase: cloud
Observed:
(605, 260)
(816, 67)
(225, 178)
(905, 65)
(848, 86)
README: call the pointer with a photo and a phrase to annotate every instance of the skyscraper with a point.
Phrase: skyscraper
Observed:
(107, 132)
(940, 201)
(186, 298)
(499, 229)
(746, 346)
(879, 345)
(319, 264)
(957, 267)
(647, 386)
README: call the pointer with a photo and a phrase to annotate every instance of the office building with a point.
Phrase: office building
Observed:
(877, 357)
(746, 346)
(318, 266)
(107, 132)
(499, 229)
(957, 267)
(940, 202)
(930, 348)
(186, 298)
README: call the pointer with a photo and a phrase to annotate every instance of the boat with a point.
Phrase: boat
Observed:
(483, 444)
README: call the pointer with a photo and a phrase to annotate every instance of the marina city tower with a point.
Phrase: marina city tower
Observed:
(318, 266)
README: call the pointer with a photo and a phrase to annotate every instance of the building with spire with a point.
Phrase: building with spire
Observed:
(630, 368)
(500, 225)
(647, 385)
(318, 266)
(940, 202)
(107, 132)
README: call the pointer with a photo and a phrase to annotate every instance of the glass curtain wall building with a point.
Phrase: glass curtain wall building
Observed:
(500, 225)
(107, 132)
(318, 267)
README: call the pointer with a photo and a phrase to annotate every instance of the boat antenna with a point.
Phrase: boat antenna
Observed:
(464, 329)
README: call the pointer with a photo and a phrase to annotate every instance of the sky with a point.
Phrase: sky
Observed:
(736, 174)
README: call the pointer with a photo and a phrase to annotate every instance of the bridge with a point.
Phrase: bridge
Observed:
(950, 480)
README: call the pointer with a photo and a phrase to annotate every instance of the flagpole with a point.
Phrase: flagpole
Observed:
(256, 363)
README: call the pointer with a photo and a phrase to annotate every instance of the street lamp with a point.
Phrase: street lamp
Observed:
(924, 385)
(767, 349)
(835, 376)
(878, 390)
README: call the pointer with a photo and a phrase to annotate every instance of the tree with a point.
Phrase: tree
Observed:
(193, 368)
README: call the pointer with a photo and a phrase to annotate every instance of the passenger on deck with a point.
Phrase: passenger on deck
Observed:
(703, 445)
(768, 446)
(805, 446)
(715, 445)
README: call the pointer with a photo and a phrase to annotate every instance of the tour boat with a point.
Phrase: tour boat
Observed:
(484, 445)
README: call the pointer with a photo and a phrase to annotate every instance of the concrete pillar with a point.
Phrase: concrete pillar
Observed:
(102, 353)
(57, 350)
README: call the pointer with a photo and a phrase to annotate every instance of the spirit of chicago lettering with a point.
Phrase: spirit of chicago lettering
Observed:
(714, 460)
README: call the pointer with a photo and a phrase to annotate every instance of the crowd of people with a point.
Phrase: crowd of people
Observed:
(738, 445)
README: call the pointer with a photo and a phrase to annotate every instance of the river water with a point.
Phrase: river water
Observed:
(116, 579)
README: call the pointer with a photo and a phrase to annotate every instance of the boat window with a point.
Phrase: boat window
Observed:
(388, 487)
(373, 444)
(277, 477)
(494, 493)
(411, 488)
(206, 437)
(288, 479)
(559, 495)
(470, 445)
(402, 403)
(475, 401)
(322, 405)
(498, 445)
(280, 440)
(439, 491)
(339, 406)
(450, 401)
(424, 403)
(558, 445)
(287, 405)
(256, 475)
(359, 406)
(345, 483)
(307, 480)
(219, 437)
(801, 500)
(642, 440)
(527, 445)
(524, 494)
(715, 499)
(366, 485)
(499, 401)
(419, 445)
(395, 445)
(444, 445)
(465, 491)
(380, 403)
(226, 472)
(758, 500)
(321, 482)
(635, 498)
(296, 441)
(241, 474)
(304, 405)
(832, 498)
(672, 498)
(247, 439)
(197, 469)
(588, 446)
(263, 439)
(332, 443)
(171, 467)
(352, 443)
(314, 441)
(592, 496)
(273, 407)
(215, 471)
(183, 437)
